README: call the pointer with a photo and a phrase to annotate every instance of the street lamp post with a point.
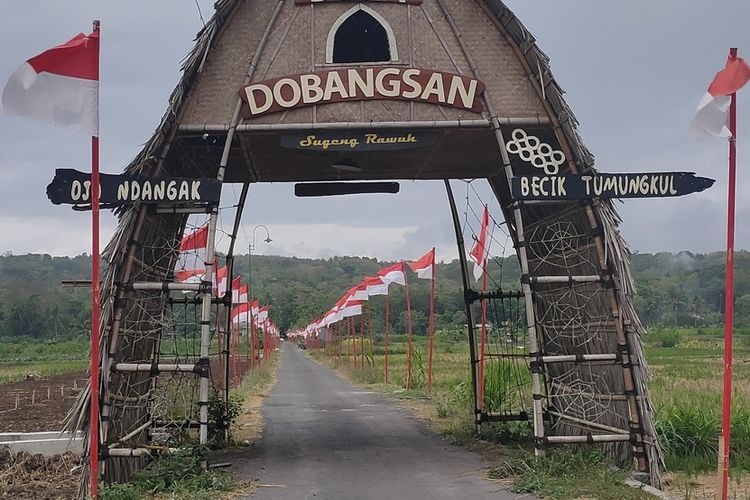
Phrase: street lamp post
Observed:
(250, 249)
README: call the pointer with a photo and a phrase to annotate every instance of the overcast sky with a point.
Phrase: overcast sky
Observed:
(633, 71)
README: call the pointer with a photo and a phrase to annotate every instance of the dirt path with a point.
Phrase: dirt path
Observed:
(326, 439)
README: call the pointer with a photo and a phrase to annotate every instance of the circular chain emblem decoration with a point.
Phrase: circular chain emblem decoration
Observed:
(540, 154)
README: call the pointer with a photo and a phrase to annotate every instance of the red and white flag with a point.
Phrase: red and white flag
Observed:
(262, 313)
(241, 313)
(713, 110)
(243, 294)
(360, 292)
(481, 250)
(375, 286)
(236, 284)
(220, 281)
(193, 250)
(255, 307)
(59, 86)
(393, 274)
(425, 265)
(352, 308)
(189, 275)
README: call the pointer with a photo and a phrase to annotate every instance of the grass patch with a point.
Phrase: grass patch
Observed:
(255, 385)
(11, 372)
(44, 350)
(563, 473)
(175, 476)
(179, 476)
(690, 437)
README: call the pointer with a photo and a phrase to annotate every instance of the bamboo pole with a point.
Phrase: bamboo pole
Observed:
(483, 341)
(520, 238)
(563, 131)
(465, 282)
(384, 125)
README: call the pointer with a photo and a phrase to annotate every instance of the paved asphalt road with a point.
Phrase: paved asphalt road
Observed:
(326, 439)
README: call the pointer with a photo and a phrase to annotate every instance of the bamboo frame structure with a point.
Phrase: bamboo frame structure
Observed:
(597, 290)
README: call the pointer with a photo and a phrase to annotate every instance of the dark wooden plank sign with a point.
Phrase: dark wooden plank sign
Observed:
(307, 190)
(72, 187)
(589, 186)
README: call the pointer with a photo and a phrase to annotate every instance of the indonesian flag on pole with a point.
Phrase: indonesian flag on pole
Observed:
(220, 281)
(236, 284)
(352, 308)
(329, 317)
(263, 313)
(393, 274)
(481, 249)
(193, 250)
(189, 275)
(360, 292)
(425, 265)
(369, 287)
(713, 110)
(241, 313)
(59, 86)
(375, 286)
(255, 307)
(243, 294)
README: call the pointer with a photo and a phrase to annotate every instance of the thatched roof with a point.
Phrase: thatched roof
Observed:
(152, 156)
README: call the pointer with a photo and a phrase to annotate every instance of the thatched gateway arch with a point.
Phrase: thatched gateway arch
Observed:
(467, 93)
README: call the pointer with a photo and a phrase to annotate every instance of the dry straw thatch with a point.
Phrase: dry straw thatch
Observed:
(144, 249)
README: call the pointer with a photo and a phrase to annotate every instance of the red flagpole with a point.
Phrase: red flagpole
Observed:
(432, 324)
(483, 341)
(94, 403)
(247, 332)
(387, 332)
(729, 296)
(362, 340)
(408, 329)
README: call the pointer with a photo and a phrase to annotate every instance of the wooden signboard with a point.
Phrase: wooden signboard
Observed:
(72, 187)
(361, 84)
(584, 187)
(359, 141)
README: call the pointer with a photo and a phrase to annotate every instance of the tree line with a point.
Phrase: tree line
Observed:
(674, 290)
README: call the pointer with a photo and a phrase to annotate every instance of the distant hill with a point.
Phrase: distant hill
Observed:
(682, 289)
